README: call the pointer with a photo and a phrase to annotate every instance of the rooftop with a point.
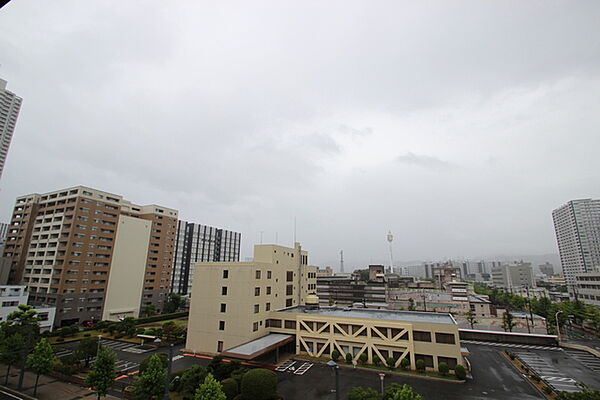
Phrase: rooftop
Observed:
(363, 313)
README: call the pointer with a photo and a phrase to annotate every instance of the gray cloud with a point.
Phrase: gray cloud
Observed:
(240, 116)
(427, 162)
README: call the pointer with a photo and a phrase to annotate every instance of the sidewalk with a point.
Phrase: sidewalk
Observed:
(49, 388)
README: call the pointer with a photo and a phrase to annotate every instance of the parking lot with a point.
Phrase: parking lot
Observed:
(563, 369)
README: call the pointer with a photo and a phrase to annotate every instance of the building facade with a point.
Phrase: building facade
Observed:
(201, 243)
(577, 227)
(64, 245)
(231, 301)
(12, 296)
(546, 269)
(588, 287)
(513, 275)
(10, 105)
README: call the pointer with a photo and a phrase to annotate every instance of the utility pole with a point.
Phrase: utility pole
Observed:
(424, 302)
(169, 370)
(529, 304)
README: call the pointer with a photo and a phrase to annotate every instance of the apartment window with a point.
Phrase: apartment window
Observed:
(289, 276)
(268, 289)
(257, 291)
(255, 327)
(290, 324)
(420, 336)
(268, 274)
(223, 307)
(219, 346)
(256, 308)
(289, 290)
(288, 303)
(447, 338)
(273, 323)
(225, 273)
(268, 307)
(224, 290)
(221, 325)
(257, 274)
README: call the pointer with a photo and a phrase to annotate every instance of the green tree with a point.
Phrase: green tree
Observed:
(470, 315)
(149, 310)
(400, 392)
(405, 363)
(191, 378)
(174, 303)
(11, 351)
(362, 393)
(163, 359)
(150, 385)
(210, 390)
(335, 355)
(103, 373)
(583, 395)
(41, 360)
(24, 321)
(460, 372)
(259, 384)
(508, 321)
(230, 388)
(127, 326)
(348, 358)
(443, 368)
(411, 304)
(363, 358)
(420, 365)
(88, 347)
(391, 363)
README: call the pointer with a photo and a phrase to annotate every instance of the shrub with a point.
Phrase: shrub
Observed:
(376, 360)
(335, 355)
(405, 363)
(87, 334)
(363, 358)
(230, 388)
(443, 368)
(536, 378)
(420, 364)
(60, 339)
(511, 355)
(391, 363)
(348, 358)
(547, 390)
(460, 372)
(259, 384)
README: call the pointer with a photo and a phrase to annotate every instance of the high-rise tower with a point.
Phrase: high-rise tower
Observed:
(10, 104)
(577, 226)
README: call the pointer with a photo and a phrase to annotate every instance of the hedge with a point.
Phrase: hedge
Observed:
(161, 317)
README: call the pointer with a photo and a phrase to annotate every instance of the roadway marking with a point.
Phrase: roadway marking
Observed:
(516, 346)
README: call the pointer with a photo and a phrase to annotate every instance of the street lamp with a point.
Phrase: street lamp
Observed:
(381, 376)
(557, 326)
(336, 368)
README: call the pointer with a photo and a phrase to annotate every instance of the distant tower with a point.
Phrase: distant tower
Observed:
(390, 239)
(342, 261)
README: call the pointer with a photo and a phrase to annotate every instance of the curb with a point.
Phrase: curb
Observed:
(507, 358)
(12, 392)
(581, 347)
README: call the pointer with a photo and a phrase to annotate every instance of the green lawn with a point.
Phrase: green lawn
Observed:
(178, 321)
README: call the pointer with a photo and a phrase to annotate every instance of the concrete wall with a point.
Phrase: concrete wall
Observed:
(126, 277)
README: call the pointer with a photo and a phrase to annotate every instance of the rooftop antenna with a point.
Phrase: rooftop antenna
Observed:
(390, 239)
(294, 231)
(342, 261)
(261, 236)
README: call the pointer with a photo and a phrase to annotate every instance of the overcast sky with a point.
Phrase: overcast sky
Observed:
(457, 125)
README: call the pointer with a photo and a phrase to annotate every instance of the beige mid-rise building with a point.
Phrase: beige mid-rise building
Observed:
(65, 245)
(231, 302)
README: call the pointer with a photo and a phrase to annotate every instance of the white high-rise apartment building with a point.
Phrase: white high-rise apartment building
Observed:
(10, 104)
(577, 226)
